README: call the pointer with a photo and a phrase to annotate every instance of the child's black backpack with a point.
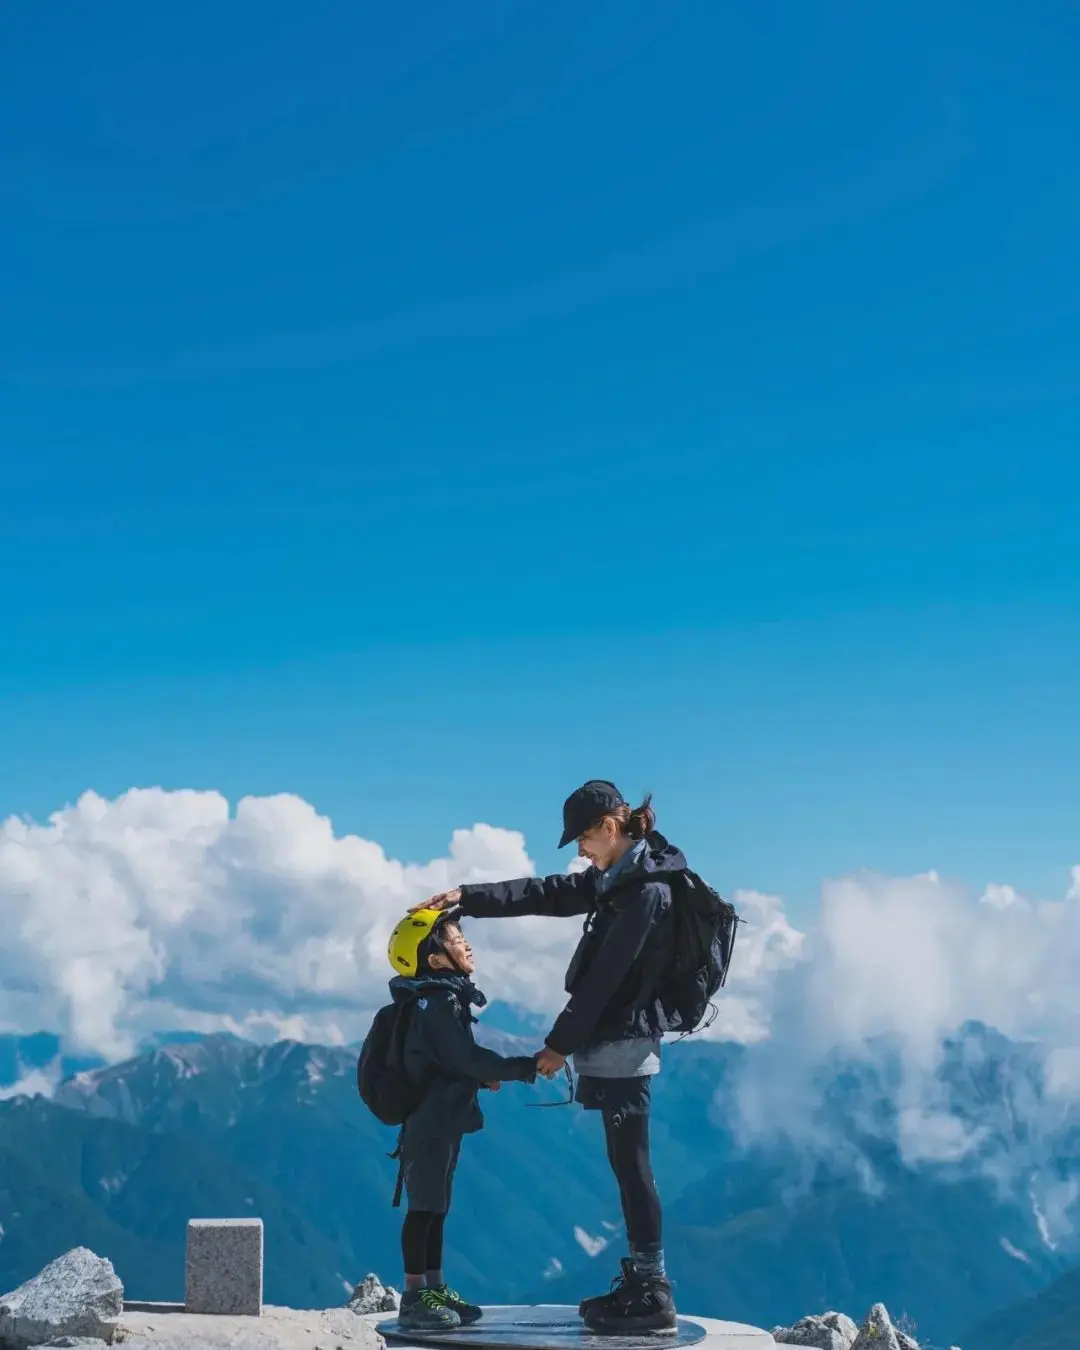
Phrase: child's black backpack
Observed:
(385, 1087)
(703, 940)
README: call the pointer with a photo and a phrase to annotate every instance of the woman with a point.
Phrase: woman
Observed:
(614, 1020)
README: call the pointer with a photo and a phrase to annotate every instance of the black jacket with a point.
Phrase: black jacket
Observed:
(625, 950)
(441, 1054)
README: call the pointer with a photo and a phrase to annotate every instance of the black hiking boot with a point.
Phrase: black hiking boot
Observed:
(637, 1305)
(468, 1313)
(599, 1301)
(422, 1310)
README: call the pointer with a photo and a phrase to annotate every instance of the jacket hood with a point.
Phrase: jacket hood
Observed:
(661, 856)
(658, 856)
(406, 987)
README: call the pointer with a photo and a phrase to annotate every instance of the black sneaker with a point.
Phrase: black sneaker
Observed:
(468, 1313)
(641, 1304)
(422, 1310)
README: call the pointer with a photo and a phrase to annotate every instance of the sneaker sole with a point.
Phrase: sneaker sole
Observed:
(428, 1327)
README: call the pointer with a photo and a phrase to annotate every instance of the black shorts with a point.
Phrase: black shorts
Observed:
(427, 1172)
(621, 1096)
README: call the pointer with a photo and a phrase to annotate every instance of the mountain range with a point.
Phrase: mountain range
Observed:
(1049, 1320)
(121, 1156)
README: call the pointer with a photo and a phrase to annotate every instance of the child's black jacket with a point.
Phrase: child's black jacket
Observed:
(442, 1056)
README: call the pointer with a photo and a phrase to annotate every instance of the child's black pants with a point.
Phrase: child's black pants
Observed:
(422, 1241)
(427, 1173)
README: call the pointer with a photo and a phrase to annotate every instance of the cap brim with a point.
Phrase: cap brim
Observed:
(566, 838)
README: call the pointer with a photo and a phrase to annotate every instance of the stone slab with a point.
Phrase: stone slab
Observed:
(223, 1271)
(558, 1327)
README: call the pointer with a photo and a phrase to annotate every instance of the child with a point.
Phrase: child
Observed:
(433, 962)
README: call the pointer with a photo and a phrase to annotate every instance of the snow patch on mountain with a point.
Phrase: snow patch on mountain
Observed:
(591, 1246)
(1041, 1224)
(1008, 1247)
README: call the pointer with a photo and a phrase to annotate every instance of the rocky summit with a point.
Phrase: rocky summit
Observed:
(836, 1331)
(77, 1303)
(77, 1295)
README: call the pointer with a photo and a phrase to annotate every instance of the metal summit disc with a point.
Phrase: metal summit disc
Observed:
(540, 1328)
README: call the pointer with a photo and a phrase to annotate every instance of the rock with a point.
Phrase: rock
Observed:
(77, 1295)
(372, 1296)
(878, 1333)
(832, 1331)
(276, 1329)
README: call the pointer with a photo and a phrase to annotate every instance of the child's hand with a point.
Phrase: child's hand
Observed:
(492, 1087)
(445, 900)
(549, 1062)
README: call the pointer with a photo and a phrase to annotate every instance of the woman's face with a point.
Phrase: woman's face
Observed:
(602, 843)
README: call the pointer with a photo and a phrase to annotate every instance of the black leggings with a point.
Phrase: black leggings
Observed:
(627, 1139)
(422, 1241)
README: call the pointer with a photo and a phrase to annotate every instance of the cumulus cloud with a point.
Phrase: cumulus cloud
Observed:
(34, 1083)
(162, 910)
(888, 992)
(767, 945)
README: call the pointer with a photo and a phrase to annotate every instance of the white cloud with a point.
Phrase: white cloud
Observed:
(162, 910)
(766, 945)
(33, 1083)
(167, 910)
(891, 969)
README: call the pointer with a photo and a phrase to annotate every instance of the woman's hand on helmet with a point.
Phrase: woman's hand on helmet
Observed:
(445, 900)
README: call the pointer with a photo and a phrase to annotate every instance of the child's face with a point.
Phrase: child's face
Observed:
(455, 946)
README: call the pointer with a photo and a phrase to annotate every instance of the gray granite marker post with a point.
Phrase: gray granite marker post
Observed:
(224, 1267)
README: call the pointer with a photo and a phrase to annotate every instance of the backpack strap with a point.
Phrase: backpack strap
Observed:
(401, 1027)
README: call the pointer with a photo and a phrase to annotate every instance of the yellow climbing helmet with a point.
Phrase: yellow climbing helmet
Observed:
(405, 940)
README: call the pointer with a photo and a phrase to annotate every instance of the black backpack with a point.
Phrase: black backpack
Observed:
(384, 1086)
(703, 940)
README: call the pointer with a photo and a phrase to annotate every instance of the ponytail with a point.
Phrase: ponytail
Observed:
(638, 823)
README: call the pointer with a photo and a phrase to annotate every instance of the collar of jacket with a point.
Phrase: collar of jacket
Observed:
(623, 868)
(409, 986)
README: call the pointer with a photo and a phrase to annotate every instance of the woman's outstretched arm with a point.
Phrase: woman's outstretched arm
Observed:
(559, 896)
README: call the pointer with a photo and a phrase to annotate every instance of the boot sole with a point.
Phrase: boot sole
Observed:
(632, 1327)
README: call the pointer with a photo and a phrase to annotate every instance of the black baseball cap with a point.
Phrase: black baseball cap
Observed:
(591, 802)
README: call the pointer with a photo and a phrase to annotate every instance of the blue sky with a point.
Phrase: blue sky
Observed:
(421, 408)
